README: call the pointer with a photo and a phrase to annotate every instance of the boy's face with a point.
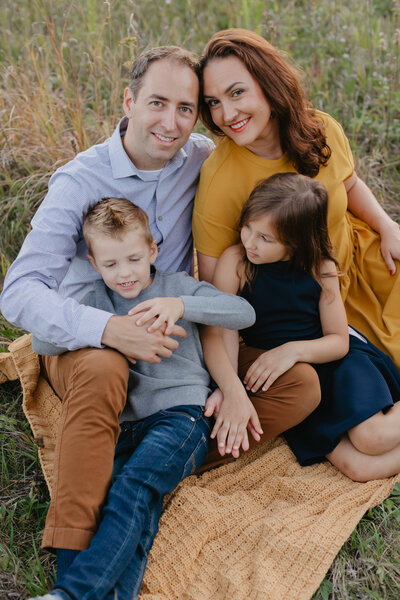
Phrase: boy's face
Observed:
(124, 263)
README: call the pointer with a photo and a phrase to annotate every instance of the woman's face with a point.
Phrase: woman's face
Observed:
(237, 104)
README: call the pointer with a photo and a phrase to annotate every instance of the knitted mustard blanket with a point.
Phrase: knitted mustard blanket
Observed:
(258, 528)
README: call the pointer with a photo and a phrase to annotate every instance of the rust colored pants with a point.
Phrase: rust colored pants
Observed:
(289, 400)
(93, 386)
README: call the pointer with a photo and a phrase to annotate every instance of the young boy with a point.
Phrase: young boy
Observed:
(164, 433)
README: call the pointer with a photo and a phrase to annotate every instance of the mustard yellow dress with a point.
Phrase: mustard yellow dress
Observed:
(371, 295)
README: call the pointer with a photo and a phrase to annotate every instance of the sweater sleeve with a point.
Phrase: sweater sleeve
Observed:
(208, 306)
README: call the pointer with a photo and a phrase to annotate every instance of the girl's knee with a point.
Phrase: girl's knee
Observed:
(368, 437)
(355, 468)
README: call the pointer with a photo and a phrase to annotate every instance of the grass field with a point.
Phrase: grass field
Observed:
(63, 66)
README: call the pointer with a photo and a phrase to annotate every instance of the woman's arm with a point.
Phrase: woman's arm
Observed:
(363, 204)
(206, 266)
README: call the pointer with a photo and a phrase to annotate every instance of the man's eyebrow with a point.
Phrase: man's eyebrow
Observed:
(228, 89)
(165, 99)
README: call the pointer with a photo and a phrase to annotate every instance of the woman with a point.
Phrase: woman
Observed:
(253, 99)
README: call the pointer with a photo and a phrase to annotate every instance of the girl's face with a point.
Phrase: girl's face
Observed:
(261, 242)
(237, 103)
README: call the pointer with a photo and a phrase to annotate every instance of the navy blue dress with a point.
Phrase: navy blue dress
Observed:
(353, 388)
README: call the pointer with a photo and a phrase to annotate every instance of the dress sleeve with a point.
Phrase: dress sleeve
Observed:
(342, 161)
(216, 205)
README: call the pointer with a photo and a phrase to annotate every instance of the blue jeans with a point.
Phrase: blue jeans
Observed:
(152, 456)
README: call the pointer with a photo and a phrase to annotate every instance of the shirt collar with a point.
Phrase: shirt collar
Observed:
(121, 164)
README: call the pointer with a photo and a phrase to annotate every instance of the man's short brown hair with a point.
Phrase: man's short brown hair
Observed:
(142, 63)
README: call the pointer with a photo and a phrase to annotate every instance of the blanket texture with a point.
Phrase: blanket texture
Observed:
(258, 528)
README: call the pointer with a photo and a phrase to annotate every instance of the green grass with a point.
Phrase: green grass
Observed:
(63, 67)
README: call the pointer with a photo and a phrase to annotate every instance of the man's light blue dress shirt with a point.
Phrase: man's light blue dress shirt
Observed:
(51, 274)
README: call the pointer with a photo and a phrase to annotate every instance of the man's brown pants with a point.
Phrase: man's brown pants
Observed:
(92, 384)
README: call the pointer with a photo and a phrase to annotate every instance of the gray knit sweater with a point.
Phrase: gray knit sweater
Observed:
(182, 378)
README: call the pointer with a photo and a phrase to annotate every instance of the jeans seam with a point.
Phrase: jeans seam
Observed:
(121, 548)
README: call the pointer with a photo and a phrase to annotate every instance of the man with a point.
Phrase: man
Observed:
(154, 160)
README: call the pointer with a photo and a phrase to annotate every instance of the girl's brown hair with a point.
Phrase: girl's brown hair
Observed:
(301, 133)
(298, 208)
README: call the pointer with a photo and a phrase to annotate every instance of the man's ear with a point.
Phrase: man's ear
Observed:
(92, 262)
(128, 103)
(153, 252)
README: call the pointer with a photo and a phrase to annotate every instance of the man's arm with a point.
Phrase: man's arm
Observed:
(30, 298)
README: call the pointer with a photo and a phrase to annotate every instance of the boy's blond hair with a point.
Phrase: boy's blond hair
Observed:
(113, 217)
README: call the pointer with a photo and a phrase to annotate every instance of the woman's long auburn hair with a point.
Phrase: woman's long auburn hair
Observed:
(301, 133)
(298, 208)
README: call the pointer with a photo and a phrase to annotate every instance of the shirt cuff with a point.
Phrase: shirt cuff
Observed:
(91, 327)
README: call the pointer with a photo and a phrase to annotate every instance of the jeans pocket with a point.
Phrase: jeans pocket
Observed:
(190, 411)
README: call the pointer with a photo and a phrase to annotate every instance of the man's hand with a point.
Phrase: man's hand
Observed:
(136, 342)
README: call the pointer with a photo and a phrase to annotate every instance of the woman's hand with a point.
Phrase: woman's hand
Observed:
(164, 310)
(390, 246)
(269, 366)
(364, 205)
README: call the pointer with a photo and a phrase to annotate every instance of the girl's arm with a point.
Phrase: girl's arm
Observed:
(363, 204)
(236, 413)
(333, 345)
(220, 348)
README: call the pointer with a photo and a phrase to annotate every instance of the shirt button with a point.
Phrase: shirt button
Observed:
(160, 218)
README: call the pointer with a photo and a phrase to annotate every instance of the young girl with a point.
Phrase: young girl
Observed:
(285, 267)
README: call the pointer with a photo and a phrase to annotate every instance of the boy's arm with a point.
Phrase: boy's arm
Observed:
(200, 303)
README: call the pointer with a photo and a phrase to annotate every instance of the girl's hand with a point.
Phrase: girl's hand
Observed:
(390, 246)
(236, 414)
(269, 366)
(164, 310)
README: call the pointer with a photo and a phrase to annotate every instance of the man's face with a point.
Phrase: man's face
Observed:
(162, 116)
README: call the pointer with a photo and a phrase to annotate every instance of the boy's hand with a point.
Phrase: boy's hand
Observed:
(269, 366)
(236, 415)
(164, 310)
(213, 404)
